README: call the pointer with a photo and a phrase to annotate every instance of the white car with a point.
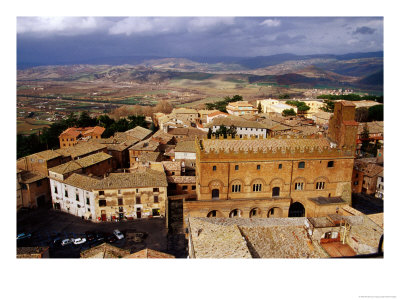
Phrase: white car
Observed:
(118, 234)
(66, 242)
(79, 241)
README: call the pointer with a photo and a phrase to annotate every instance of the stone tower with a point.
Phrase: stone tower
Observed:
(342, 126)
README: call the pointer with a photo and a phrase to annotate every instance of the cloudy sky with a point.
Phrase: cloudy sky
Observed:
(47, 40)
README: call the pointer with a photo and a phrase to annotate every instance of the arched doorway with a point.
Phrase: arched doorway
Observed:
(214, 214)
(236, 213)
(215, 194)
(255, 213)
(296, 209)
(275, 212)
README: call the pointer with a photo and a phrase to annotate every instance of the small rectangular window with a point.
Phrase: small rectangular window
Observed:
(280, 166)
(102, 203)
(184, 188)
(156, 190)
(137, 200)
(101, 193)
(330, 164)
(120, 201)
(87, 200)
(236, 167)
(155, 199)
(193, 187)
(214, 168)
(258, 167)
(66, 193)
(301, 165)
(77, 197)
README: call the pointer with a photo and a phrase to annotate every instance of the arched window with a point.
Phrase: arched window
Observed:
(320, 185)
(236, 213)
(257, 187)
(275, 191)
(236, 188)
(299, 186)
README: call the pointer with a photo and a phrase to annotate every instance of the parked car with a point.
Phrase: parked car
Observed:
(66, 242)
(118, 234)
(111, 239)
(24, 235)
(90, 235)
(79, 241)
(99, 236)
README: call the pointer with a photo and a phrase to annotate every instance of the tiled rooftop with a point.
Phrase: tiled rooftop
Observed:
(149, 156)
(84, 162)
(139, 132)
(327, 200)
(48, 154)
(30, 176)
(146, 145)
(262, 144)
(104, 251)
(149, 253)
(135, 179)
(235, 121)
(185, 146)
(82, 181)
(80, 149)
(172, 165)
(182, 179)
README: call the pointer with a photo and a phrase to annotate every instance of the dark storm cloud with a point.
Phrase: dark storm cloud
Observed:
(80, 38)
(364, 30)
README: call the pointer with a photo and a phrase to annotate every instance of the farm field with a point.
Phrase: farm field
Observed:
(28, 126)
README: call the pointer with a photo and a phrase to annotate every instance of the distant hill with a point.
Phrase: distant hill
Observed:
(373, 79)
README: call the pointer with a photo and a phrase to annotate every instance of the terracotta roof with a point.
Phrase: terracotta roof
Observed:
(30, 176)
(172, 165)
(185, 146)
(76, 131)
(183, 110)
(263, 144)
(214, 241)
(81, 149)
(182, 179)
(149, 156)
(146, 145)
(162, 137)
(119, 142)
(241, 104)
(235, 121)
(149, 253)
(84, 162)
(217, 113)
(279, 127)
(104, 251)
(377, 219)
(347, 103)
(373, 127)
(47, 154)
(82, 181)
(139, 132)
(137, 178)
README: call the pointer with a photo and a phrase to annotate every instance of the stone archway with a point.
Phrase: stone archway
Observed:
(255, 213)
(275, 212)
(296, 210)
(236, 213)
(215, 214)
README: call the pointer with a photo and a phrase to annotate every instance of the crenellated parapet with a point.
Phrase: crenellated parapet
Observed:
(284, 147)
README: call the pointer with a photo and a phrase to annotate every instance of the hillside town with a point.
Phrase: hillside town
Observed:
(249, 179)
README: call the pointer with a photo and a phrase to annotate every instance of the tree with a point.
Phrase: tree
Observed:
(288, 112)
(375, 113)
(222, 131)
(85, 120)
(284, 96)
(361, 114)
(329, 106)
(365, 138)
